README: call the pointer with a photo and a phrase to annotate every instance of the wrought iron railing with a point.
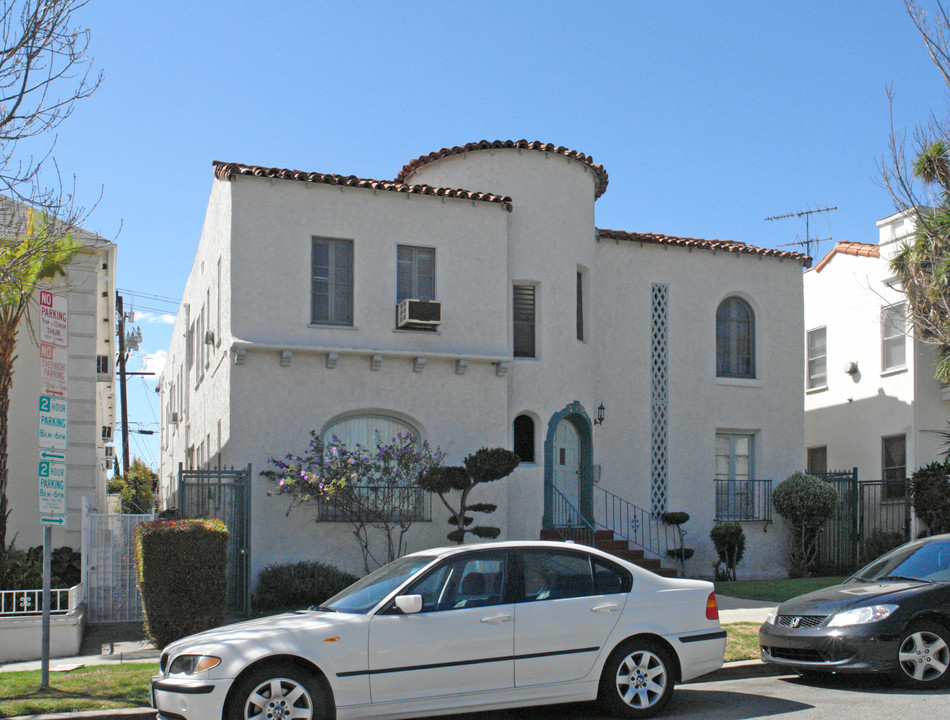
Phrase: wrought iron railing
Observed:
(567, 520)
(634, 524)
(30, 602)
(375, 502)
(743, 500)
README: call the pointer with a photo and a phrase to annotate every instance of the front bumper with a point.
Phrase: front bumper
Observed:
(854, 648)
(188, 698)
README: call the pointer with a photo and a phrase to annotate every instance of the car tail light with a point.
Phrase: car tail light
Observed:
(712, 609)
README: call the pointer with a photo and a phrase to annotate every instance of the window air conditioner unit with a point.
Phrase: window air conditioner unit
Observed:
(110, 452)
(419, 314)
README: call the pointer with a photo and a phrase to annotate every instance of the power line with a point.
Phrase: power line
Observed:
(150, 296)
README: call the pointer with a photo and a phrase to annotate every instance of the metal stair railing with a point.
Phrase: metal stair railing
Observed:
(567, 520)
(637, 526)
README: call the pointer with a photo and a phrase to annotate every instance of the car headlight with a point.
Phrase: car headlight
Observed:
(191, 664)
(862, 615)
(770, 618)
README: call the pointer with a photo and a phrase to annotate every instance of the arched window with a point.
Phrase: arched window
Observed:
(524, 438)
(735, 339)
(362, 430)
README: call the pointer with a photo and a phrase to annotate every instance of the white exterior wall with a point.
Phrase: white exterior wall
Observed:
(262, 230)
(768, 407)
(91, 401)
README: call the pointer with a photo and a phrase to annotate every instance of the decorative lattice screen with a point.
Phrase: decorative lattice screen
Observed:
(659, 398)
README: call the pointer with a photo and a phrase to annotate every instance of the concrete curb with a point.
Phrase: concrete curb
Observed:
(121, 714)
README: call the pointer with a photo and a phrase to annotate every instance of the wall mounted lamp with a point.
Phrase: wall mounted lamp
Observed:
(601, 412)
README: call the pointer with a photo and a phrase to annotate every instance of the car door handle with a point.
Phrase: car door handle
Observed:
(607, 607)
(496, 619)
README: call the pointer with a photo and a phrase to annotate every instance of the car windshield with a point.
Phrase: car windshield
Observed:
(926, 560)
(365, 594)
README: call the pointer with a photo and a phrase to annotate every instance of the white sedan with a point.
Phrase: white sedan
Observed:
(460, 629)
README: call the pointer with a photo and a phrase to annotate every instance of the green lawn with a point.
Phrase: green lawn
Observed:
(742, 641)
(774, 590)
(98, 687)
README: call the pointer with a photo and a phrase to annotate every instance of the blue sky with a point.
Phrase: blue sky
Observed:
(708, 116)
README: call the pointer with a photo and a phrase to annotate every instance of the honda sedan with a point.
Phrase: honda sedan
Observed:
(458, 629)
(892, 616)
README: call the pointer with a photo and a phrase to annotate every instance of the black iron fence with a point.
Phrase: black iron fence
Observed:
(368, 503)
(743, 500)
(638, 526)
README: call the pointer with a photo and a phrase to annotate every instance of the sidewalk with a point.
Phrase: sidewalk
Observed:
(102, 645)
(733, 610)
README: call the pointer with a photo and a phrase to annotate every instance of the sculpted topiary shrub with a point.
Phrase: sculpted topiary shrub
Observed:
(182, 576)
(806, 504)
(729, 539)
(294, 586)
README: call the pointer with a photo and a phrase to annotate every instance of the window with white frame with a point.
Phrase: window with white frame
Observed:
(415, 273)
(817, 348)
(735, 339)
(735, 473)
(893, 337)
(331, 301)
(817, 459)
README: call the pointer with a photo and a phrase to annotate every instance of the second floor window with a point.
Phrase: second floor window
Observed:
(893, 333)
(735, 339)
(817, 347)
(523, 320)
(415, 273)
(331, 301)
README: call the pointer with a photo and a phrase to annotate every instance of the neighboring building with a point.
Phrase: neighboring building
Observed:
(289, 324)
(89, 285)
(871, 399)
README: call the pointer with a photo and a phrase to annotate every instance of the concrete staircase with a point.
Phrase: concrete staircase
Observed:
(605, 540)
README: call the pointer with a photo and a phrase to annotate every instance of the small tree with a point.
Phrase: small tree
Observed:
(483, 466)
(930, 496)
(806, 503)
(729, 539)
(137, 489)
(373, 489)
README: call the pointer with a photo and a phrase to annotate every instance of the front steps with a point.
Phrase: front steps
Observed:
(605, 540)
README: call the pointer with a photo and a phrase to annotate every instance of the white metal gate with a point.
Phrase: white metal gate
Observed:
(108, 567)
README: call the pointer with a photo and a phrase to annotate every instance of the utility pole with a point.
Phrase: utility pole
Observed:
(123, 399)
(127, 342)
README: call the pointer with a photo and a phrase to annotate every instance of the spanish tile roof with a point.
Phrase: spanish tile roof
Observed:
(845, 247)
(600, 174)
(733, 246)
(225, 171)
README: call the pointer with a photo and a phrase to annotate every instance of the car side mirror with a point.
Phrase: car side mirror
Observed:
(409, 604)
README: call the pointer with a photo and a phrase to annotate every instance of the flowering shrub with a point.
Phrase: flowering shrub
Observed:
(372, 488)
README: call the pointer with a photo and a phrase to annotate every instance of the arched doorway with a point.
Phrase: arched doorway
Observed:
(568, 468)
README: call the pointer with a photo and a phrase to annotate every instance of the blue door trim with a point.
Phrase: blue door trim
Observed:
(578, 417)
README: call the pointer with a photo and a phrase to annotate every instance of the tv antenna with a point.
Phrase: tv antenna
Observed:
(807, 242)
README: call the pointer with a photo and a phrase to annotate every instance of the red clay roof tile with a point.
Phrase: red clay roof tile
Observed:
(733, 246)
(600, 174)
(846, 247)
(225, 171)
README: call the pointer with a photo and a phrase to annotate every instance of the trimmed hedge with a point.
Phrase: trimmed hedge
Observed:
(293, 586)
(930, 496)
(182, 576)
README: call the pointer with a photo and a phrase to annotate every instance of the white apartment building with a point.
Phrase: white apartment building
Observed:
(290, 323)
(89, 286)
(871, 399)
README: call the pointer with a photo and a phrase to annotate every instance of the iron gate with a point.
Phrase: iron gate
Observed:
(108, 567)
(223, 494)
(838, 540)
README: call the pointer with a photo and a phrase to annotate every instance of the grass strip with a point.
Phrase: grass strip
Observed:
(775, 590)
(742, 641)
(96, 687)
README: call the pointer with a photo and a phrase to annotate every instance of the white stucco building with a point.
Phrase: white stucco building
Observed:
(89, 286)
(289, 324)
(871, 399)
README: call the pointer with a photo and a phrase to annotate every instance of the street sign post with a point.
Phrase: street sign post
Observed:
(52, 437)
